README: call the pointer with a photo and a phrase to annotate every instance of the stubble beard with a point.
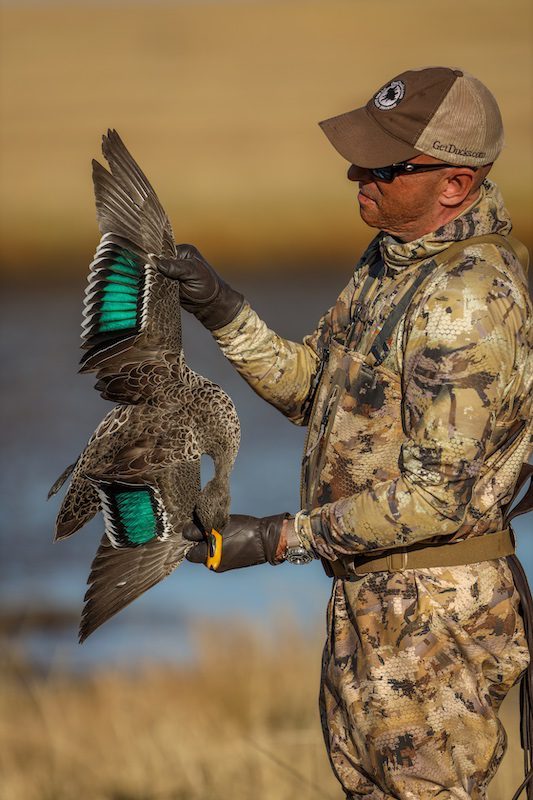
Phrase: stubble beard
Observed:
(405, 229)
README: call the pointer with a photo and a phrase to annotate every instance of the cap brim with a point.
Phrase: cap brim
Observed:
(361, 141)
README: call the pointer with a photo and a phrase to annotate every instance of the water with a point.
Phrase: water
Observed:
(48, 414)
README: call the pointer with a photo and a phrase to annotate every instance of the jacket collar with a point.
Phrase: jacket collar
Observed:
(486, 215)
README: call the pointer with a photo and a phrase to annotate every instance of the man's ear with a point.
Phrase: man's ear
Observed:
(457, 187)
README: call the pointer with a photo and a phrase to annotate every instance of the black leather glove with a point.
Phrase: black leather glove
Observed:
(202, 291)
(246, 541)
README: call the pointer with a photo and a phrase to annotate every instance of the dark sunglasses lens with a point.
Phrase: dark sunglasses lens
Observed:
(383, 173)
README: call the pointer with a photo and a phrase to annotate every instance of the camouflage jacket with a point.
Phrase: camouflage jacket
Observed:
(428, 441)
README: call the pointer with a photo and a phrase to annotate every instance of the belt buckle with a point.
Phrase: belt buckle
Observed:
(397, 561)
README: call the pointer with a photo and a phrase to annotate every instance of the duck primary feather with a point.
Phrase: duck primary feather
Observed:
(141, 467)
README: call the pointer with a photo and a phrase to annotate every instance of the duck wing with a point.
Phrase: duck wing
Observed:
(118, 577)
(128, 303)
(125, 197)
(131, 444)
(142, 543)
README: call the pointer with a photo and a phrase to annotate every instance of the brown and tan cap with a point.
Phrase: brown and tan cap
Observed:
(443, 112)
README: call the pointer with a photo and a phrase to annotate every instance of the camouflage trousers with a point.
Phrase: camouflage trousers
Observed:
(415, 667)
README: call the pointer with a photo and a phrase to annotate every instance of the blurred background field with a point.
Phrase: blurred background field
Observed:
(197, 688)
(240, 724)
(219, 101)
(221, 729)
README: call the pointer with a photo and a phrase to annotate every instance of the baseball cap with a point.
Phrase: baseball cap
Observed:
(440, 111)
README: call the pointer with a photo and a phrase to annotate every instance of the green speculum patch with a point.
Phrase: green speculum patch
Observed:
(136, 514)
(120, 297)
(126, 262)
(120, 293)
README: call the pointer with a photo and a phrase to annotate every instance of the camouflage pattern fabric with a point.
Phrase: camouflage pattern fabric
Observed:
(414, 670)
(426, 444)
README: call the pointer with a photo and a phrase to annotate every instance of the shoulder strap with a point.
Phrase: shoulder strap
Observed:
(379, 347)
(359, 310)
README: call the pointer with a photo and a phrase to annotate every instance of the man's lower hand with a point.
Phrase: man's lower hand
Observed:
(246, 541)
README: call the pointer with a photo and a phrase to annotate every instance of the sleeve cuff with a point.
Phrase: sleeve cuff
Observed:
(314, 532)
(227, 330)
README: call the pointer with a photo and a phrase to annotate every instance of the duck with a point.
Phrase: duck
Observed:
(141, 467)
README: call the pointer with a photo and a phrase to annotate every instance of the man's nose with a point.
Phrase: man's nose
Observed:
(356, 173)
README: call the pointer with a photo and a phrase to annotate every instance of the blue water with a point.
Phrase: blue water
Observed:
(49, 412)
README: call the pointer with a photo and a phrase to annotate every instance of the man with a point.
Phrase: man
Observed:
(416, 387)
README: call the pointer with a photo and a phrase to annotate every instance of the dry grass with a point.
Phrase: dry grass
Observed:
(170, 734)
(219, 102)
(220, 730)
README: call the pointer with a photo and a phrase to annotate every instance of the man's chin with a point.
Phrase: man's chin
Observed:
(368, 215)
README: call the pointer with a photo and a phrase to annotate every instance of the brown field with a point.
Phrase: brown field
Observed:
(219, 102)
(241, 724)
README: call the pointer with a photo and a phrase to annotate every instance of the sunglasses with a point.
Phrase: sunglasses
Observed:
(407, 168)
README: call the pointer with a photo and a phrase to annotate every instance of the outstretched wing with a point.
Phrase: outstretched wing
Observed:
(142, 542)
(127, 300)
(126, 203)
(118, 577)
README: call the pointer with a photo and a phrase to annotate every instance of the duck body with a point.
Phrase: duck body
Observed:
(141, 467)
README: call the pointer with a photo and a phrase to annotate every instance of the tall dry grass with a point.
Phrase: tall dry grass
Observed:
(215, 730)
(240, 724)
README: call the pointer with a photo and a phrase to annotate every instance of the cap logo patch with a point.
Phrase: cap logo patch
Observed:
(390, 95)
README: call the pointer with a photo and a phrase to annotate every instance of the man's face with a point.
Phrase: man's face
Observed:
(394, 206)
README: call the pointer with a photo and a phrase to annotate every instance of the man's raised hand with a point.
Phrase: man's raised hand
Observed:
(202, 290)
